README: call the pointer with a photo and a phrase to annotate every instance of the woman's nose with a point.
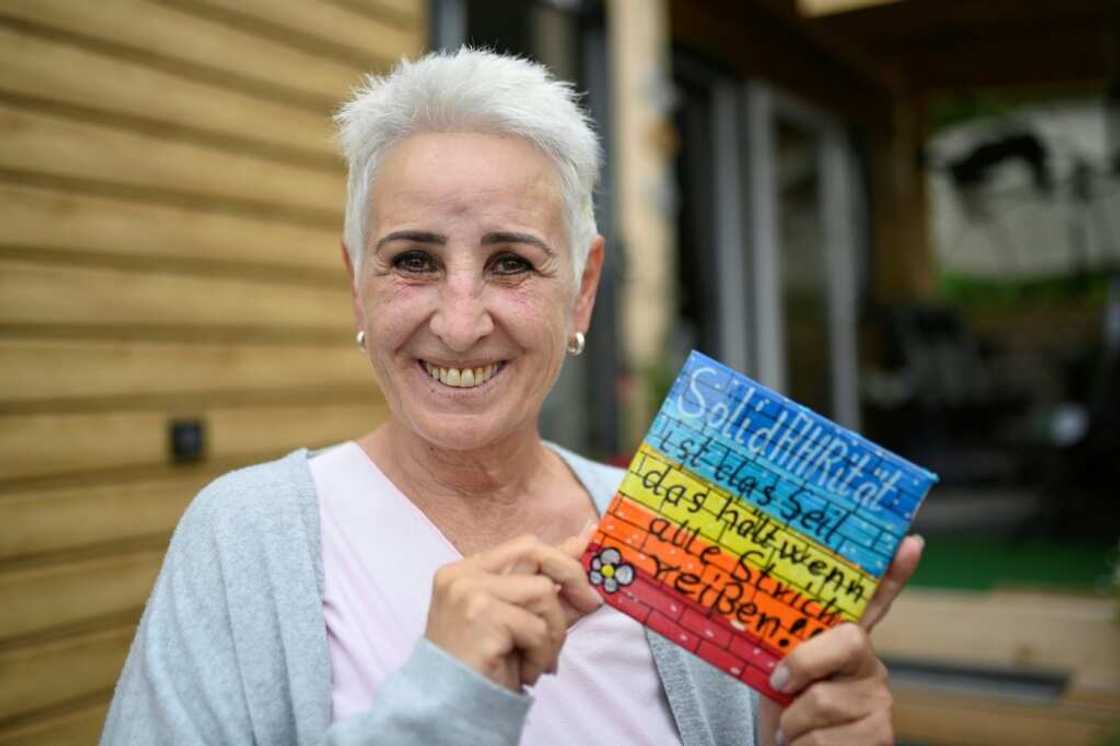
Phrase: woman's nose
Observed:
(461, 319)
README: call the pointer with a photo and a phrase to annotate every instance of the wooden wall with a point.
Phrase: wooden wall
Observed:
(170, 207)
(1011, 632)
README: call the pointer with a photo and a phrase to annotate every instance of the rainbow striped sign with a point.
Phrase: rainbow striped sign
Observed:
(747, 524)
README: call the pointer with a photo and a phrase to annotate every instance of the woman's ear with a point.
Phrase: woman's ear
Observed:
(355, 298)
(588, 285)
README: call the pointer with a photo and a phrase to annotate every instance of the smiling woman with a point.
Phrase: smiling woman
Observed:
(420, 583)
(469, 267)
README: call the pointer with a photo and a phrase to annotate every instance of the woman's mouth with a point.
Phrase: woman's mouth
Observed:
(462, 378)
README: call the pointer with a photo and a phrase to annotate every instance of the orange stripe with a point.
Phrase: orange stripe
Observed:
(752, 609)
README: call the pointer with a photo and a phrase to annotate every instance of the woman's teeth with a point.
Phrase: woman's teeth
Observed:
(463, 378)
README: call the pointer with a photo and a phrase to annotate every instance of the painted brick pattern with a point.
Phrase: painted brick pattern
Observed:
(747, 524)
(685, 624)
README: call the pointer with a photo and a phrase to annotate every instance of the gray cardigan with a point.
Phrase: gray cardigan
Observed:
(232, 647)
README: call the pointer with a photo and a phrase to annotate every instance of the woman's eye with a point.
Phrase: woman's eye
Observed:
(414, 262)
(510, 264)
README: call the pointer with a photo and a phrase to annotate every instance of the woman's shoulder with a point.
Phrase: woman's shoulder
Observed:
(249, 527)
(258, 495)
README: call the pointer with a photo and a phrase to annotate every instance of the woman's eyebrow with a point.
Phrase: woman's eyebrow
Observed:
(526, 238)
(414, 236)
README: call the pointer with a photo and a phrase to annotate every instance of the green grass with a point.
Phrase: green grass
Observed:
(983, 564)
(982, 292)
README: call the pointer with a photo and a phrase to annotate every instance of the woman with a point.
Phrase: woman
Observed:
(412, 585)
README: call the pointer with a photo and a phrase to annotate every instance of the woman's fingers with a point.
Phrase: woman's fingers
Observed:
(530, 610)
(469, 618)
(841, 690)
(841, 651)
(875, 729)
(827, 704)
(541, 597)
(509, 626)
(841, 686)
(529, 555)
(574, 546)
(902, 567)
(521, 590)
(530, 636)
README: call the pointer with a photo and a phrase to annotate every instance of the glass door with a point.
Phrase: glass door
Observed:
(804, 251)
(802, 267)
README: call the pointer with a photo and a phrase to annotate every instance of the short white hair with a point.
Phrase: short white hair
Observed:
(470, 90)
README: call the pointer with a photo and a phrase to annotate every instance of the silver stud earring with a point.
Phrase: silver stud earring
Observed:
(361, 339)
(576, 343)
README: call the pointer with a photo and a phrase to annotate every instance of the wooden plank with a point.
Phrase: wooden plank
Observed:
(45, 219)
(639, 43)
(77, 727)
(915, 25)
(54, 444)
(37, 294)
(1008, 630)
(39, 521)
(44, 370)
(414, 9)
(406, 13)
(337, 29)
(994, 43)
(759, 42)
(32, 66)
(972, 720)
(35, 142)
(1044, 56)
(65, 594)
(33, 677)
(159, 35)
(902, 251)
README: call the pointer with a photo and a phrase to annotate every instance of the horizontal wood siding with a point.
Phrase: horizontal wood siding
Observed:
(171, 204)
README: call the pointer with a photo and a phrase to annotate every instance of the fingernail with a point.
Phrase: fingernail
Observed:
(587, 527)
(779, 679)
(779, 738)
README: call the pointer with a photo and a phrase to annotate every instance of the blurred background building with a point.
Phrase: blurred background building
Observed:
(904, 214)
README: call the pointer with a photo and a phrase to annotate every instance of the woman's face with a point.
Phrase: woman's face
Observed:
(466, 291)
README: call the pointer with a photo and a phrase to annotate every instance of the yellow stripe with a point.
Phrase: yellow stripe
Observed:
(681, 496)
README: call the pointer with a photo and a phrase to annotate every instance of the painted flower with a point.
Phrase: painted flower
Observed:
(609, 571)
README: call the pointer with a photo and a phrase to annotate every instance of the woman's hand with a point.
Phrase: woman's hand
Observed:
(506, 612)
(841, 685)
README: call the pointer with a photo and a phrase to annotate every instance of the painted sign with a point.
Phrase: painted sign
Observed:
(747, 524)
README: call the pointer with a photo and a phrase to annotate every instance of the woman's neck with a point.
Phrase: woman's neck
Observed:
(502, 489)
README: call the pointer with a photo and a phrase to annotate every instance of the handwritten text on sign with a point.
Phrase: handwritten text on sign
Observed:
(747, 524)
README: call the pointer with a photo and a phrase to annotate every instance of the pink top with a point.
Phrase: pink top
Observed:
(379, 556)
